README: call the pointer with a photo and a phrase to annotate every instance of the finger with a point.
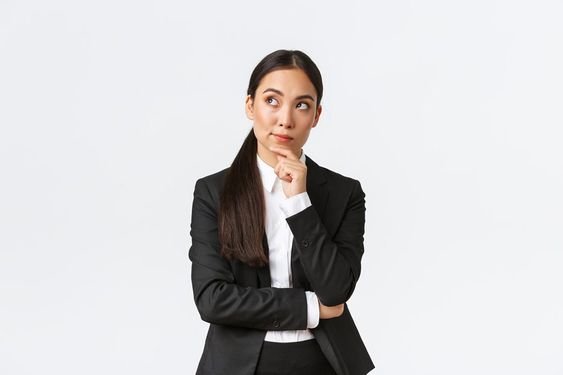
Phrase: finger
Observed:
(282, 164)
(279, 164)
(284, 152)
(284, 175)
(283, 171)
(286, 178)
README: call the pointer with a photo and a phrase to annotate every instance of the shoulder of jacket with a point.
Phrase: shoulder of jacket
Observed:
(338, 176)
(214, 177)
(212, 182)
(339, 179)
(331, 175)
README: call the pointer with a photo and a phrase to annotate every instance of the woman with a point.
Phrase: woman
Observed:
(277, 240)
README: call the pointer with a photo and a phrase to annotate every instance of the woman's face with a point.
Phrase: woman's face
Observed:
(284, 111)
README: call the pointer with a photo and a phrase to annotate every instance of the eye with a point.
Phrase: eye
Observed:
(302, 105)
(271, 100)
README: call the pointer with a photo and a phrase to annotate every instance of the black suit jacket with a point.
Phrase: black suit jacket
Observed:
(239, 302)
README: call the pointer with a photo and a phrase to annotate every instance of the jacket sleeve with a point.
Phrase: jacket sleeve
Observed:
(218, 297)
(332, 265)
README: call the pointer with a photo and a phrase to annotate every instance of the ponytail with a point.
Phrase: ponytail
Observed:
(242, 208)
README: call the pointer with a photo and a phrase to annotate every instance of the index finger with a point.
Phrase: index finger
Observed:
(284, 152)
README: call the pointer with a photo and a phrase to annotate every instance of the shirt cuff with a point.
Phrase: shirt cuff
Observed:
(295, 204)
(313, 313)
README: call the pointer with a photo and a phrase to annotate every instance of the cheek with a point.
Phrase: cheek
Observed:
(262, 123)
(264, 115)
(306, 118)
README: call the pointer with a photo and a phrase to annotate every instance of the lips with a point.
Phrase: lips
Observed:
(282, 136)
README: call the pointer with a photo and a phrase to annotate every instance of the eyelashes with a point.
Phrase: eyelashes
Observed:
(274, 102)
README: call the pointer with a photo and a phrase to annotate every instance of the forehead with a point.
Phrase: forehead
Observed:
(292, 82)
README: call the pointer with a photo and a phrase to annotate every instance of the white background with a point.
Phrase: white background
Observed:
(448, 112)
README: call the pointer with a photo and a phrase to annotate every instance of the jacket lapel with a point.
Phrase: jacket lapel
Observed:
(315, 189)
(318, 195)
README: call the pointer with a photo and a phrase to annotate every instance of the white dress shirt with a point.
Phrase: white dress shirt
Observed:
(280, 239)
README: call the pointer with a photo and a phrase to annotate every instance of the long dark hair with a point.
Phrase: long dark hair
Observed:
(242, 206)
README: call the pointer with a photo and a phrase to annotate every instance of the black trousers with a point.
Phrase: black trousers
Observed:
(296, 358)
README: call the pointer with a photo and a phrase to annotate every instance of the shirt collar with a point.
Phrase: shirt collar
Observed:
(269, 177)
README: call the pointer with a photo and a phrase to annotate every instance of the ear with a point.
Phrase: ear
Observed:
(317, 115)
(249, 107)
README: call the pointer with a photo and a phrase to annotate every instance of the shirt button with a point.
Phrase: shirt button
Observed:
(305, 243)
(276, 324)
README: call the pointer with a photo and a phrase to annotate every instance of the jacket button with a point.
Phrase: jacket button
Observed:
(305, 243)
(276, 324)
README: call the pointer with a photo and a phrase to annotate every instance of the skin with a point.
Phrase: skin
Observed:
(285, 103)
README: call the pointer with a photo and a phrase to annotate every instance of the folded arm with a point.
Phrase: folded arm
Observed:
(332, 264)
(219, 299)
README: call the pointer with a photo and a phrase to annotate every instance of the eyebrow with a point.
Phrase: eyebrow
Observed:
(305, 96)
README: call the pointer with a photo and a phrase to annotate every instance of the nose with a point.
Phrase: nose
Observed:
(286, 117)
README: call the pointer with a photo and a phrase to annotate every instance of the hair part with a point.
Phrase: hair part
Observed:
(286, 59)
